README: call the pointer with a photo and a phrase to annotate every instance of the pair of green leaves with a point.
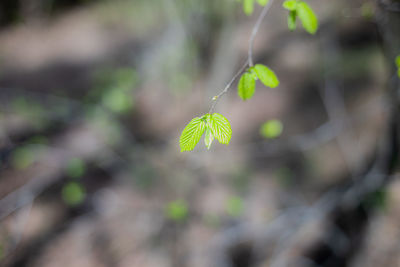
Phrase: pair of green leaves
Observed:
(215, 125)
(248, 5)
(247, 82)
(304, 12)
(398, 65)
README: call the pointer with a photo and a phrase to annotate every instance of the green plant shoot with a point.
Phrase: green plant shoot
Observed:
(215, 125)
(304, 12)
(247, 82)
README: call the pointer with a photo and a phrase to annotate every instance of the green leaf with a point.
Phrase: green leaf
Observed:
(208, 138)
(262, 2)
(271, 129)
(220, 128)
(246, 86)
(248, 7)
(290, 4)
(192, 133)
(307, 17)
(266, 75)
(292, 20)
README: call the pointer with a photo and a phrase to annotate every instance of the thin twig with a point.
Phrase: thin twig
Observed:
(256, 28)
(249, 61)
(216, 98)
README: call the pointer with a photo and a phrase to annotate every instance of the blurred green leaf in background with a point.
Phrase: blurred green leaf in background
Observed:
(73, 193)
(1, 251)
(176, 210)
(367, 10)
(75, 168)
(234, 206)
(114, 89)
(377, 199)
(271, 129)
(23, 157)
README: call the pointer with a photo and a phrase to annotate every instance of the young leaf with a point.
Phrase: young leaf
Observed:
(246, 86)
(262, 2)
(248, 6)
(292, 20)
(266, 75)
(220, 128)
(208, 138)
(307, 16)
(290, 5)
(192, 133)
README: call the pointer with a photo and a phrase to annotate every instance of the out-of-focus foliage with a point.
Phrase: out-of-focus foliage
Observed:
(234, 206)
(76, 168)
(73, 193)
(177, 210)
(1, 251)
(378, 199)
(23, 157)
(367, 10)
(114, 88)
(271, 129)
(285, 176)
(31, 110)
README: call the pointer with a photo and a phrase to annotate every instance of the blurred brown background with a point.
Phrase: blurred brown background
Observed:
(94, 96)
